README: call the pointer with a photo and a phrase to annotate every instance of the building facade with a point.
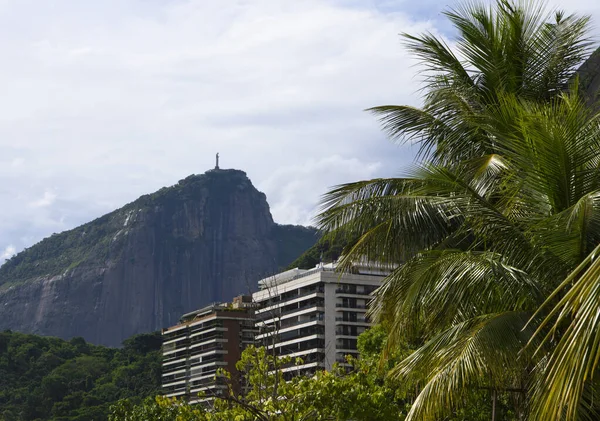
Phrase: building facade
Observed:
(315, 314)
(203, 342)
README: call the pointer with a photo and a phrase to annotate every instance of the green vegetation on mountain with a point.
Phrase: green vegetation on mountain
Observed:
(326, 250)
(58, 253)
(45, 378)
(292, 240)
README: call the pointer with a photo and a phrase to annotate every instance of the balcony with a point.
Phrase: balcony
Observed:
(351, 306)
(304, 307)
(209, 361)
(357, 295)
(302, 293)
(174, 365)
(207, 333)
(301, 333)
(174, 390)
(289, 327)
(348, 347)
(301, 350)
(204, 348)
(170, 348)
(176, 354)
(353, 331)
(353, 289)
(300, 343)
(171, 338)
(171, 378)
(360, 320)
(318, 293)
(250, 338)
(176, 384)
(303, 353)
(205, 325)
(202, 372)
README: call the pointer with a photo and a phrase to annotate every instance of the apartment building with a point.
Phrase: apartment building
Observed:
(315, 314)
(204, 341)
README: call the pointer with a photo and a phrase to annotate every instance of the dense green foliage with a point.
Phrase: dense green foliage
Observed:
(45, 378)
(497, 225)
(359, 392)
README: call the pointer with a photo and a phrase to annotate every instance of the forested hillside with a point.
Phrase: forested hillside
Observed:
(45, 378)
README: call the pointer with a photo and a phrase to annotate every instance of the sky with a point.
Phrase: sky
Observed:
(104, 101)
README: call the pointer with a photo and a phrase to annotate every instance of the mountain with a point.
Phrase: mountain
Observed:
(589, 78)
(327, 249)
(139, 268)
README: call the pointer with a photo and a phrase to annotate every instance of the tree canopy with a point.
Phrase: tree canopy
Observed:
(45, 378)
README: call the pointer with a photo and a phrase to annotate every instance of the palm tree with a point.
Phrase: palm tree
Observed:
(501, 208)
(507, 48)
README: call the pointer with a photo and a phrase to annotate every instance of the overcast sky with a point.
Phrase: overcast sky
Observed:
(103, 101)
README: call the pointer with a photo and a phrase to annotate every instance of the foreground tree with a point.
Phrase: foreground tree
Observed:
(501, 209)
(358, 392)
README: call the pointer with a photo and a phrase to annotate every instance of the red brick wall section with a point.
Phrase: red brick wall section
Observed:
(233, 346)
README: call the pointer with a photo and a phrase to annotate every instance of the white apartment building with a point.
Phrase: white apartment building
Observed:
(315, 314)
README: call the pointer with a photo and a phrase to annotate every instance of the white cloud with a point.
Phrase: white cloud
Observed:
(105, 101)
(110, 100)
(581, 7)
(300, 186)
(16, 162)
(9, 251)
(46, 200)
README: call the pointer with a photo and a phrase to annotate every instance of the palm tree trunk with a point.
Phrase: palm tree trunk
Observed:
(494, 398)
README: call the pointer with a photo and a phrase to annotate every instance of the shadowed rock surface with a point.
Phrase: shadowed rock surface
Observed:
(589, 78)
(141, 267)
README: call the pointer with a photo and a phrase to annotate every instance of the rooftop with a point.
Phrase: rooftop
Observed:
(359, 267)
(240, 304)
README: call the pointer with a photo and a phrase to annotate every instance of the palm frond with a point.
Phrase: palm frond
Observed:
(476, 353)
(510, 48)
(437, 58)
(440, 287)
(575, 357)
(573, 233)
(386, 214)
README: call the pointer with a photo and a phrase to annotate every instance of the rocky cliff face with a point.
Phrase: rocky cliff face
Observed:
(139, 268)
(589, 78)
